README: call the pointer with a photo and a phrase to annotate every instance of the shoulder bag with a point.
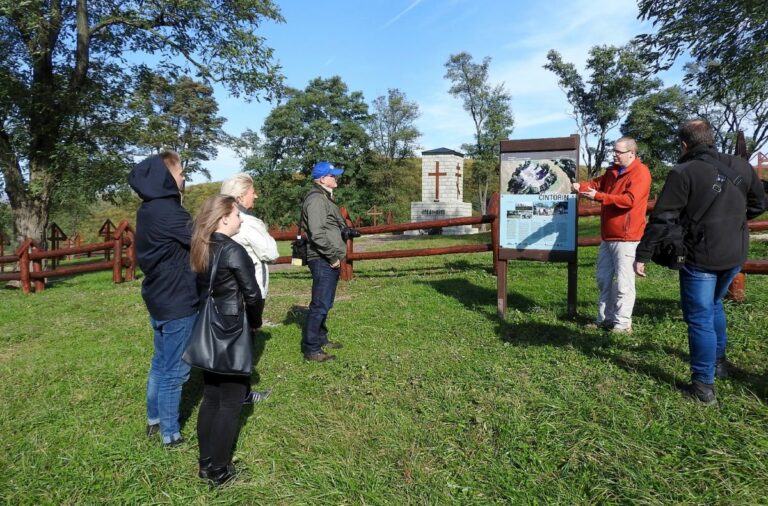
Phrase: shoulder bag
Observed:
(670, 251)
(217, 346)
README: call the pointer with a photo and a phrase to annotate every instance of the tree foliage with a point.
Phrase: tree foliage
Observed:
(653, 121)
(180, 115)
(728, 42)
(394, 139)
(491, 112)
(64, 78)
(741, 105)
(325, 121)
(731, 35)
(617, 75)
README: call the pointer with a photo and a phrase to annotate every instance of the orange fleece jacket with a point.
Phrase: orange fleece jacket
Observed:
(624, 200)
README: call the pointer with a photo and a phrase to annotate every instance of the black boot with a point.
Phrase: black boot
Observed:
(221, 475)
(702, 392)
(205, 468)
(721, 368)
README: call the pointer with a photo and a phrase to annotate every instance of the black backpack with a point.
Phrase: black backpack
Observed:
(670, 251)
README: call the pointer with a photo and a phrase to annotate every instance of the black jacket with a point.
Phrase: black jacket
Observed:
(720, 240)
(235, 281)
(163, 234)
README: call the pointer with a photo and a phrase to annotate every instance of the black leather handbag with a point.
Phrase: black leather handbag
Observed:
(215, 345)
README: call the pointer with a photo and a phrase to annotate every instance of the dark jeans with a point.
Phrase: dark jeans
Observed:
(218, 420)
(324, 281)
(701, 297)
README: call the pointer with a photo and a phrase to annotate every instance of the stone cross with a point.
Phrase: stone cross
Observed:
(437, 175)
(458, 182)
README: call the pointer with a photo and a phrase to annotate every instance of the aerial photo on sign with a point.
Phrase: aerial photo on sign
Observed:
(532, 176)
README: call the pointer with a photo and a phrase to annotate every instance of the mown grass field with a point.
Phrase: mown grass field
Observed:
(433, 400)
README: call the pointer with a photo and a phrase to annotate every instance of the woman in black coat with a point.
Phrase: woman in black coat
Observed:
(234, 291)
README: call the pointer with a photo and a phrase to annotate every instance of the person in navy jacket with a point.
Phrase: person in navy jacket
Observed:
(169, 289)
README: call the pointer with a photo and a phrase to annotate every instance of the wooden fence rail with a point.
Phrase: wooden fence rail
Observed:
(29, 253)
(122, 245)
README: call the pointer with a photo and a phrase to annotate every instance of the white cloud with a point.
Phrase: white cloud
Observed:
(401, 13)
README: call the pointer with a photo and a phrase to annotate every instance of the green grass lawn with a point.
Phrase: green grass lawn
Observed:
(433, 400)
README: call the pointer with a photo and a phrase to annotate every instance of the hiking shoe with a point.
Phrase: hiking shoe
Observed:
(253, 397)
(603, 325)
(319, 356)
(622, 330)
(153, 429)
(721, 368)
(702, 392)
(174, 443)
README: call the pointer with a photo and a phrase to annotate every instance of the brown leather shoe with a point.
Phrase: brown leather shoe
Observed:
(319, 356)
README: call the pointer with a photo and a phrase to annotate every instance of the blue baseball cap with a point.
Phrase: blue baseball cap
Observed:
(325, 169)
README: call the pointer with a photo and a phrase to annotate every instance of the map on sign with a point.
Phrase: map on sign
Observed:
(530, 176)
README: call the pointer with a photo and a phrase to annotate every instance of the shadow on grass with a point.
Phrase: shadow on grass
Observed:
(597, 344)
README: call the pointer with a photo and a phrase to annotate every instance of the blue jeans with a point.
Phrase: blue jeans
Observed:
(167, 374)
(701, 298)
(324, 281)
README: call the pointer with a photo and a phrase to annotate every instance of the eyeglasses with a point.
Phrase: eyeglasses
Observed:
(616, 152)
(331, 175)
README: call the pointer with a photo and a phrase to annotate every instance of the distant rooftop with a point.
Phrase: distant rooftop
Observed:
(442, 151)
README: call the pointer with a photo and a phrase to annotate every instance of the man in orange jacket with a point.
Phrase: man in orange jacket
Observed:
(623, 192)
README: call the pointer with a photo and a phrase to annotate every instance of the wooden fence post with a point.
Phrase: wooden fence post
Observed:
(23, 253)
(117, 261)
(2, 250)
(130, 271)
(37, 266)
(737, 292)
(495, 209)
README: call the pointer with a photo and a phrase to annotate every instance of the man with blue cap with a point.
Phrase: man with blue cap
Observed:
(325, 228)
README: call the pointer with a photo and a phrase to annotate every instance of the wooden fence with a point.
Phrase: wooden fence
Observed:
(122, 244)
(737, 290)
(30, 254)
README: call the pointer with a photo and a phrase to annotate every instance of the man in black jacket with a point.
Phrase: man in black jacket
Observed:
(716, 245)
(163, 235)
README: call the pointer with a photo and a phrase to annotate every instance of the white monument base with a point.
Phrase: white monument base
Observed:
(430, 211)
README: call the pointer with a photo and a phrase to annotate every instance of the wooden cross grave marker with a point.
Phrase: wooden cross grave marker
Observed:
(375, 213)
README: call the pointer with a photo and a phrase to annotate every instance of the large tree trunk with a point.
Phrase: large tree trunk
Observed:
(29, 201)
(30, 221)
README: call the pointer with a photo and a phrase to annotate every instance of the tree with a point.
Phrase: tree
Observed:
(653, 121)
(64, 74)
(180, 115)
(729, 34)
(491, 112)
(741, 105)
(617, 77)
(394, 139)
(728, 41)
(325, 121)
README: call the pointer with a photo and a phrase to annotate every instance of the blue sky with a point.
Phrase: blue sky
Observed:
(376, 44)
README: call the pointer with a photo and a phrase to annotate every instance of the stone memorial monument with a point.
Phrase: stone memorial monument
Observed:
(442, 181)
